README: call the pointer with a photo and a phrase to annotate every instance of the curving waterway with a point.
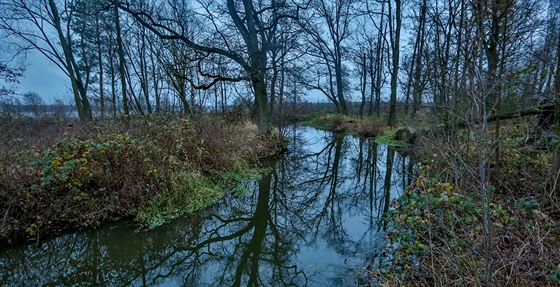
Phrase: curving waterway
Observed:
(313, 220)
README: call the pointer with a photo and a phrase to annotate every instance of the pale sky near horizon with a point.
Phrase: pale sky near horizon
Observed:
(44, 78)
(47, 80)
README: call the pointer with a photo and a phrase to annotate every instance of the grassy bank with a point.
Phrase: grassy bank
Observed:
(56, 176)
(436, 230)
(369, 126)
(340, 123)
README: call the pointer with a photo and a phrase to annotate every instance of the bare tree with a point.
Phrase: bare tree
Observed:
(394, 11)
(329, 28)
(34, 103)
(418, 54)
(122, 63)
(36, 24)
(377, 55)
(240, 32)
(369, 49)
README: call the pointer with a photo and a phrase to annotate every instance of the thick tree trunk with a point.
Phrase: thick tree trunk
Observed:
(257, 62)
(261, 112)
(182, 93)
(340, 84)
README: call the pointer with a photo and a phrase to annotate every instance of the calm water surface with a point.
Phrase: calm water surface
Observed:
(311, 221)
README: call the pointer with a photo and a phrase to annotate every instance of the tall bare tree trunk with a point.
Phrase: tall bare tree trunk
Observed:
(339, 81)
(122, 71)
(282, 83)
(417, 89)
(395, 36)
(100, 63)
(363, 82)
(144, 81)
(484, 150)
(371, 72)
(257, 58)
(379, 61)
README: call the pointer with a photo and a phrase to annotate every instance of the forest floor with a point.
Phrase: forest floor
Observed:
(56, 176)
(436, 231)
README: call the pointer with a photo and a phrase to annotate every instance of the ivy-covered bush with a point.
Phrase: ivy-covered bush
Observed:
(435, 237)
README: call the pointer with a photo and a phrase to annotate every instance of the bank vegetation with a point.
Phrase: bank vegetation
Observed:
(58, 175)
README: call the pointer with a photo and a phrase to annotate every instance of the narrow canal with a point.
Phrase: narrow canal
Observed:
(313, 220)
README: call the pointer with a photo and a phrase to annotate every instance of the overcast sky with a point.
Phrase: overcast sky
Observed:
(44, 78)
(47, 80)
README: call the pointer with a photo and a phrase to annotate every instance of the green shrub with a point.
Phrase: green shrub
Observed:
(435, 236)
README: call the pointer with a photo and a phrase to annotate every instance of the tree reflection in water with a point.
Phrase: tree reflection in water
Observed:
(311, 221)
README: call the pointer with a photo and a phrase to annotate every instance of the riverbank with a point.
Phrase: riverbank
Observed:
(314, 208)
(56, 176)
(437, 233)
(368, 126)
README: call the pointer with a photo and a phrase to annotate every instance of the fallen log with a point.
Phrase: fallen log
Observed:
(545, 113)
(539, 110)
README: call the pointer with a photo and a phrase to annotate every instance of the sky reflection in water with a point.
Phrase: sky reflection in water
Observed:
(311, 221)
